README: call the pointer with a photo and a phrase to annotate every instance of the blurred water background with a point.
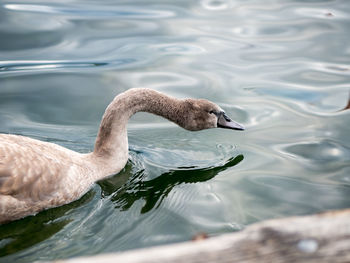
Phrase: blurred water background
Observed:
(281, 68)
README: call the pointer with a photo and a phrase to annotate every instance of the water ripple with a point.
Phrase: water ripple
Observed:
(323, 13)
(14, 66)
(215, 5)
(95, 11)
(315, 153)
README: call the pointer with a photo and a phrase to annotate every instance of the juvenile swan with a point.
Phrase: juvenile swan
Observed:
(36, 175)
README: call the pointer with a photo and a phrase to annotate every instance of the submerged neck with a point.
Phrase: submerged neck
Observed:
(112, 142)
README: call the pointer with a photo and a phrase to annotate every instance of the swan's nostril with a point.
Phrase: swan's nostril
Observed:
(226, 117)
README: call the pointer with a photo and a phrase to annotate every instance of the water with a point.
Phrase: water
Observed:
(281, 68)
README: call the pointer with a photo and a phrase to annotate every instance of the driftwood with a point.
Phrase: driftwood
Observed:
(318, 238)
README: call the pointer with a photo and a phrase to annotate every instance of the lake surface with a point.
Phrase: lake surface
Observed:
(281, 68)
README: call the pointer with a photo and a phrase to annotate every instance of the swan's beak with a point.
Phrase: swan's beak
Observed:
(225, 122)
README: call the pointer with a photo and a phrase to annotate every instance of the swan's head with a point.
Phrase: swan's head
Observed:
(202, 114)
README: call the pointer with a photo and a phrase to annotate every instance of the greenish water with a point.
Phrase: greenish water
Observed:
(281, 68)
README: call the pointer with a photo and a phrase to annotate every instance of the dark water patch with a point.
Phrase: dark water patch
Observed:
(24, 233)
(12, 41)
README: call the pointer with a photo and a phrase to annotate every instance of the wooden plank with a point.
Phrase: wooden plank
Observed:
(317, 238)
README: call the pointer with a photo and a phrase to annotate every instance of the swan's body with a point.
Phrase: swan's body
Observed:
(36, 175)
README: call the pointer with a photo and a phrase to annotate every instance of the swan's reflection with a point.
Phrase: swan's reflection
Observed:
(154, 191)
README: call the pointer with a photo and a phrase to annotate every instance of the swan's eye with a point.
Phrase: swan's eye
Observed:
(212, 112)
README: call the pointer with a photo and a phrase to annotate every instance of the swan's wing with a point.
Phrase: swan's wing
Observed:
(28, 171)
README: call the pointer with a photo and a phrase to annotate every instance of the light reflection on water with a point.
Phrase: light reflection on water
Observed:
(280, 68)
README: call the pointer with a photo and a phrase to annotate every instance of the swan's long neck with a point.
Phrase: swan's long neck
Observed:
(111, 147)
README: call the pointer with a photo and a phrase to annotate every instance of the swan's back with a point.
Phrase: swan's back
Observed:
(22, 164)
(33, 175)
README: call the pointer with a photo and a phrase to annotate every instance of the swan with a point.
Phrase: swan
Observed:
(37, 175)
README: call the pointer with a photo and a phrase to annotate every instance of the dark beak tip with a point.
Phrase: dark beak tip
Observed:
(225, 122)
(233, 126)
(238, 128)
